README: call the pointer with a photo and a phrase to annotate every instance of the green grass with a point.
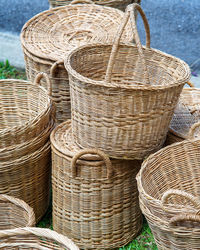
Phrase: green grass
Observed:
(144, 241)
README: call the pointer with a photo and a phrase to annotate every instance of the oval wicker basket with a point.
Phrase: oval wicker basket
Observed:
(34, 238)
(97, 197)
(168, 181)
(26, 110)
(186, 115)
(119, 4)
(123, 96)
(15, 213)
(50, 35)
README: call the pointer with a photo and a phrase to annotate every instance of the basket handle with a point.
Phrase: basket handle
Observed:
(130, 14)
(184, 217)
(54, 67)
(192, 130)
(184, 194)
(190, 84)
(105, 158)
(38, 78)
(82, 1)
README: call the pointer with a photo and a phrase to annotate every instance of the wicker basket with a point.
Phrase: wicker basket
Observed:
(186, 115)
(47, 37)
(95, 199)
(120, 103)
(180, 232)
(168, 181)
(15, 213)
(34, 238)
(26, 110)
(119, 4)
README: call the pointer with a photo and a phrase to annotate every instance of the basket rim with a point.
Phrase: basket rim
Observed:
(76, 75)
(34, 18)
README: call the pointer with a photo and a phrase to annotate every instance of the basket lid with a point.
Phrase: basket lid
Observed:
(187, 112)
(62, 139)
(55, 32)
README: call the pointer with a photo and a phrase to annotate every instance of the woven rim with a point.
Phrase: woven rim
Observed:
(59, 49)
(40, 232)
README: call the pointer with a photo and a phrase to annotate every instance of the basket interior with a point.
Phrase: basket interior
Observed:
(174, 167)
(20, 103)
(92, 61)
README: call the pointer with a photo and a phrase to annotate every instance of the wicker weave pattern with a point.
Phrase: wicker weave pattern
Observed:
(98, 199)
(34, 238)
(50, 35)
(119, 4)
(113, 106)
(15, 213)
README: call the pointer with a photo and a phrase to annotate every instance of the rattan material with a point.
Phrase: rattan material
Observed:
(119, 4)
(15, 213)
(114, 108)
(34, 238)
(50, 35)
(25, 110)
(95, 199)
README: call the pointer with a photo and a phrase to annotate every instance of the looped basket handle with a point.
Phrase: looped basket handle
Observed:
(186, 195)
(184, 217)
(54, 67)
(193, 129)
(81, 1)
(105, 158)
(38, 78)
(130, 14)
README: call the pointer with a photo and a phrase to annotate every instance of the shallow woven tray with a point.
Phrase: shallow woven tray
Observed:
(15, 213)
(34, 238)
(50, 35)
(96, 196)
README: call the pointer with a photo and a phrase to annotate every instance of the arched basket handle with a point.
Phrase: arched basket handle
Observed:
(105, 158)
(130, 14)
(193, 129)
(81, 1)
(40, 76)
(182, 218)
(54, 67)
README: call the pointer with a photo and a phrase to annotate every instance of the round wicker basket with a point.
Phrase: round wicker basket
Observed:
(97, 197)
(50, 35)
(123, 96)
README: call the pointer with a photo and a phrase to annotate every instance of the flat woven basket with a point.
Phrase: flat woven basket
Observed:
(15, 213)
(25, 110)
(119, 4)
(34, 238)
(180, 232)
(186, 118)
(97, 197)
(50, 35)
(123, 96)
(168, 181)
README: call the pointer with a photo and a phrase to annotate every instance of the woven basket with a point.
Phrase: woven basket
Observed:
(15, 213)
(180, 232)
(95, 199)
(28, 178)
(187, 114)
(50, 35)
(119, 4)
(34, 238)
(26, 110)
(168, 181)
(123, 96)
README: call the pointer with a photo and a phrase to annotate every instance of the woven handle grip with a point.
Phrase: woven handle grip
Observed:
(38, 78)
(130, 14)
(55, 66)
(184, 217)
(105, 158)
(193, 129)
(183, 194)
(81, 1)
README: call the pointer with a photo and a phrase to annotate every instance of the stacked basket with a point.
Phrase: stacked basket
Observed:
(27, 118)
(122, 100)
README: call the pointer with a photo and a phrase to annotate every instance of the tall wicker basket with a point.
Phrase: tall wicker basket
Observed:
(123, 96)
(119, 4)
(50, 35)
(95, 199)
